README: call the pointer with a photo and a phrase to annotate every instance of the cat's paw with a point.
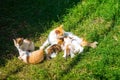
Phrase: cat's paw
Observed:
(72, 55)
(53, 55)
(19, 58)
(41, 47)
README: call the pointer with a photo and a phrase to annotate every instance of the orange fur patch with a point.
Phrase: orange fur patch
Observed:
(59, 30)
(60, 41)
(36, 57)
(54, 48)
(84, 43)
(19, 41)
(67, 50)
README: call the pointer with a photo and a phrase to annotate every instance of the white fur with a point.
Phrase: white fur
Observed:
(23, 54)
(73, 42)
(52, 39)
(53, 55)
(74, 37)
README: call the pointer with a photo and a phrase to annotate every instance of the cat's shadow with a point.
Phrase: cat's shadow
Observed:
(36, 48)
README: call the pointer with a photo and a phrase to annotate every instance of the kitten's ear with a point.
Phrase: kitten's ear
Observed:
(14, 41)
(61, 26)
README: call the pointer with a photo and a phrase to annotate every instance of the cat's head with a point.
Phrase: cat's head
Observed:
(18, 41)
(59, 31)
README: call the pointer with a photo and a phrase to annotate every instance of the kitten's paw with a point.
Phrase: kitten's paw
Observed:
(64, 56)
(81, 50)
(53, 55)
(72, 55)
(19, 58)
(41, 47)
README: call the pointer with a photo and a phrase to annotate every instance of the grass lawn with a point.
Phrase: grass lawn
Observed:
(95, 20)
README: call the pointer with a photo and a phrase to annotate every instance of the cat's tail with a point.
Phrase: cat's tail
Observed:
(93, 44)
(89, 44)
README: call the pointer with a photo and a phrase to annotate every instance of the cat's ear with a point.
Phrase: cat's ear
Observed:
(14, 41)
(61, 26)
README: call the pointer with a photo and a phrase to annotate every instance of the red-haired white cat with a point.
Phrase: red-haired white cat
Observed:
(29, 57)
(53, 42)
(73, 44)
(53, 36)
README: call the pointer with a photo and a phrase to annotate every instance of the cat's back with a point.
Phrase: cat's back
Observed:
(28, 45)
(36, 56)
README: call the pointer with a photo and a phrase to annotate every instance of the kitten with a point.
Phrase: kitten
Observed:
(73, 44)
(52, 50)
(25, 44)
(30, 57)
(53, 36)
(81, 41)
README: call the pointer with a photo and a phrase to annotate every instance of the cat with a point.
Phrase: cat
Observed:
(73, 44)
(53, 42)
(53, 36)
(81, 41)
(52, 51)
(25, 44)
(29, 57)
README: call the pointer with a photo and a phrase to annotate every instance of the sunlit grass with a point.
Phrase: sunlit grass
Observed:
(95, 21)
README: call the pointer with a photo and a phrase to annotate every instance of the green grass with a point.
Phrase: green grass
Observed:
(95, 20)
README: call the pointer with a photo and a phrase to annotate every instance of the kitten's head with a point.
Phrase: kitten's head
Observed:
(18, 41)
(59, 30)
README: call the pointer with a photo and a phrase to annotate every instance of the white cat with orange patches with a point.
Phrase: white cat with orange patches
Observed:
(29, 57)
(53, 41)
(53, 36)
(73, 44)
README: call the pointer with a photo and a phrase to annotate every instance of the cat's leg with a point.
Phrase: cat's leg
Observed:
(46, 43)
(19, 58)
(25, 58)
(72, 52)
(67, 51)
(64, 53)
(48, 52)
(81, 49)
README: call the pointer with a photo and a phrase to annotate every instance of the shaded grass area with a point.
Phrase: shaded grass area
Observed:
(28, 19)
(94, 20)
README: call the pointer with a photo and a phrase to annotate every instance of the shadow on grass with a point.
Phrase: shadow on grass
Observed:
(28, 19)
(12, 72)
